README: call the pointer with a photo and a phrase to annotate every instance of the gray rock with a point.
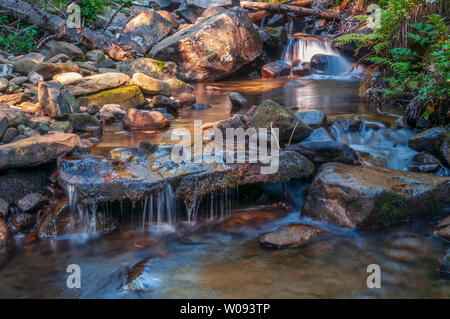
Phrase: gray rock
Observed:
(319, 135)
(425, 163)
(6, 71)
(10, 134)
(3, 125)
(237, 100)
(326, 152)
(35, 77)
(95, 56)
(35, 151)
(14, 115)
(26, 64)
(72, 51)
(83, 122)
(429, 140)
(30, 203)
(55, 101)
(360, 197)
(313, 119)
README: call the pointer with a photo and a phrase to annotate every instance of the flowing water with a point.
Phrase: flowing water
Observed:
(156, 248)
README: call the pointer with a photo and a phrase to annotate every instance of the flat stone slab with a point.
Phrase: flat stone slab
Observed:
(133, 173)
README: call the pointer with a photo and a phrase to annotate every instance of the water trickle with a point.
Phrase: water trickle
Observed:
(302, 49)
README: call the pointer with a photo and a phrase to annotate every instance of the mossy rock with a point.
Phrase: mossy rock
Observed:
(64, 126)
(127, 97)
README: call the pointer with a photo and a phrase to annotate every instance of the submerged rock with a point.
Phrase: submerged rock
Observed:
(326, 152)
(35, 151)
(359, 197)
(213, 48)
(290, 236)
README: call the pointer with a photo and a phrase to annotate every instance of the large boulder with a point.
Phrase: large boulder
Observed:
(290, 236)
(141, 119)
(429, 140)
(360, 197)
(144, 30)
(96, 83)
(48, 70)
(35, 151)
(55, 101)
(272, 115)
(126, 97)
(161, 70)
(150, 85)
(213, 48)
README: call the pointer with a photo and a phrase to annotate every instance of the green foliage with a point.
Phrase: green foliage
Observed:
(20, 38)
(413, 58)
(90, 9)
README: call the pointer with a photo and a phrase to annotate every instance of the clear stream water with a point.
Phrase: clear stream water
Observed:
(218, 256)
(221, 258)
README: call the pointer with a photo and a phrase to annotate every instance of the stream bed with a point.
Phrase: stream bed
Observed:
(220, 257)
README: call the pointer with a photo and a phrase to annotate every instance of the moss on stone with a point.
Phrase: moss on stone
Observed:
(127, 96)
(393, 207)
(270, 31)
(61, 126)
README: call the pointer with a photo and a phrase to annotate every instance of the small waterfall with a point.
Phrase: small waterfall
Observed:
(159, 208)
(306, 51)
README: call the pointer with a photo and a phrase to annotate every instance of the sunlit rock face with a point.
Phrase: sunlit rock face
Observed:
(360, 197)
(213, 48)
(144, 30)
(133, 173)
(35, 151)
